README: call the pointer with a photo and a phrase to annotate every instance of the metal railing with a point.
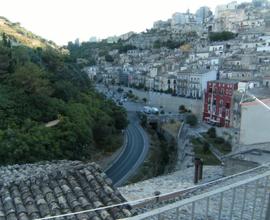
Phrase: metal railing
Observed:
(246, 199)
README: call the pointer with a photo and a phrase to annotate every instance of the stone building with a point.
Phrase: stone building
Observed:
(192, 83)
(266, 81)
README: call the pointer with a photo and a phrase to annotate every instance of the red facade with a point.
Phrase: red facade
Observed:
(218, 101)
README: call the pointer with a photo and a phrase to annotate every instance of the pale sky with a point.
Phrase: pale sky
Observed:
(65, 20)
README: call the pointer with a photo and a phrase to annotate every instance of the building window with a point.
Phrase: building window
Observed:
(228, 105)
(227, 113)
(222, 91)
(221, 103)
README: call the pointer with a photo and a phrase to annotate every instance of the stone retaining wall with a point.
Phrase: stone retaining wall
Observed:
(233, 166)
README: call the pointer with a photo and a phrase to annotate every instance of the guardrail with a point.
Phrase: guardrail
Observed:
(246, 199)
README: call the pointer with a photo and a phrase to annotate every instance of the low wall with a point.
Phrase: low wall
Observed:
(233, 166)
(169, 103)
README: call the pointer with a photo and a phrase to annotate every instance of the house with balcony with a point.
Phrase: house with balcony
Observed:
(217, 48)
(192, 83)
(218, 102)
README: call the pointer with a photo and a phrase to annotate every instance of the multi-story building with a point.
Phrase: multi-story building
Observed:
(192, 83)
(218, 102)
(241, 74)
(161, 25)
(161, 83)
(91, 71)
(218, 48)
(202, 14)
(165, 83)
(182, 83)
(266, 81)
(220, 9)
(179, 19)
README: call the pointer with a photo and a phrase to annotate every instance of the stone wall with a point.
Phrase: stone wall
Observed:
(169, 103)
(233, 166)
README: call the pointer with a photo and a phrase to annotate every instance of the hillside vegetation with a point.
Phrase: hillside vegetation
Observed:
(39, 85)
(20, 35)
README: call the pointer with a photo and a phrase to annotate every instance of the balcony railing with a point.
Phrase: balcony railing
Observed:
(246, 199)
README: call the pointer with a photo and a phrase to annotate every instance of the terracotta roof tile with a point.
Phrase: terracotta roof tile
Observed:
(51, 188)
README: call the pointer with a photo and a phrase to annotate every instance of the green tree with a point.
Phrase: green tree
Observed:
(157, 44)
(144, 100)
(144, 120)
(192, 120)
(120, 118)
(221, 36)
(5, 60)
(41, 85)
(212, 132)
(109, 58)
(31, 79)
(182, 109)
(206, 148)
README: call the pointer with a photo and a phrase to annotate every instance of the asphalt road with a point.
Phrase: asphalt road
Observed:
(136, 146)
(132, 155)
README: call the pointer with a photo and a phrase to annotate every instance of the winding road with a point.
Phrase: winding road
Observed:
(136, 145)
(133, 153)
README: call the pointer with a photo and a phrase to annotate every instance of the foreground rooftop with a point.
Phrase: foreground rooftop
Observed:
(32, 191)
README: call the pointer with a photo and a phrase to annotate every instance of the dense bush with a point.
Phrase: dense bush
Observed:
(192, 120)
(182, 109)
(88, 50)
(206, 148)
(219, 140)
(212, 132)
(221, 36)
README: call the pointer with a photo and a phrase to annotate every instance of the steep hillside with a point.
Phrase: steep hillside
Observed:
(20, 35)
(48, 107)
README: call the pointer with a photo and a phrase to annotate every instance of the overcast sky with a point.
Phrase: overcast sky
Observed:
(66, 20)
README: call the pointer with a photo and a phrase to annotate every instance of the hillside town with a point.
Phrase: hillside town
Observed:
(170, 123)
(223, 74)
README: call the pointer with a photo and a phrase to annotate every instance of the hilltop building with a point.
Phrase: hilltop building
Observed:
(202, 14)
(77, 42)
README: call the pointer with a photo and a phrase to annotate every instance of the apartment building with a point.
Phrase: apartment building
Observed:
(218, 102)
